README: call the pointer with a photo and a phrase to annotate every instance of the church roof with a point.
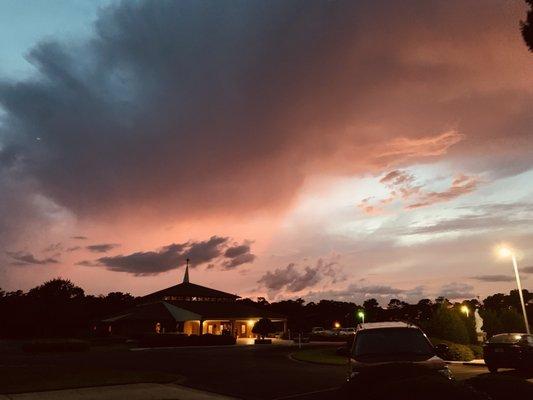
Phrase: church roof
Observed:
(225, 310)
(160, 310)
(187, 289)
(192, 310)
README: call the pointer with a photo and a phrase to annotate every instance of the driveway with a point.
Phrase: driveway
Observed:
(251, 372)
(247, 372)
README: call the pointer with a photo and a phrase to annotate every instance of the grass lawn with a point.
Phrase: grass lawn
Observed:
(323, 355)
(32, 378)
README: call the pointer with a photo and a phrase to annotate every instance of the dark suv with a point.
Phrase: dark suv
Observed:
(393, 349)
(509, 350)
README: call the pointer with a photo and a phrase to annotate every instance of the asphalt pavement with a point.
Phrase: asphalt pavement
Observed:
(246, 372)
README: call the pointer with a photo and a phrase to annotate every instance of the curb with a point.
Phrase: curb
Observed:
(291, 357)
(470, 363)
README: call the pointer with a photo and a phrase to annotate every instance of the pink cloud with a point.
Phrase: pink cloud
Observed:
(461, 185)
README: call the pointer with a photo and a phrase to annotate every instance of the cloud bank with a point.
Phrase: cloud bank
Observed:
(173, 256)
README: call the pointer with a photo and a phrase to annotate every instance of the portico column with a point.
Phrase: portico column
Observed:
(284, 326)
(201, 327)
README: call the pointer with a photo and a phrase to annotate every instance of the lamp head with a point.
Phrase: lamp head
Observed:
(504, 251)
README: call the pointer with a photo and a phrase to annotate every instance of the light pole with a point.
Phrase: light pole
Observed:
(507, 252)
(361, 315)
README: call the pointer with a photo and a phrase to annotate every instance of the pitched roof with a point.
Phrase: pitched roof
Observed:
(192, 311)
(160, 310)
(187, 289)
(225, 310)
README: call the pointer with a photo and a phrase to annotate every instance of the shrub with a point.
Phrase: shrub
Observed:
(263, 327)
(477, 350)
(459, 352)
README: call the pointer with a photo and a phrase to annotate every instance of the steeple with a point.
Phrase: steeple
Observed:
(186, 275)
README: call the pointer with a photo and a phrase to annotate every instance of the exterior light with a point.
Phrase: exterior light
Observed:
(361, 315)
(337, 325)
(506, 252)
(465, 310)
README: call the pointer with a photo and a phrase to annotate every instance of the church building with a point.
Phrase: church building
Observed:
(191, 309)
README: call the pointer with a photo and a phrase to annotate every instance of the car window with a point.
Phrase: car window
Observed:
(391, 341)
(507, 338)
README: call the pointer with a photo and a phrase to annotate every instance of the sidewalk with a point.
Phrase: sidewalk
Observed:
(478, 362)
(137, 391)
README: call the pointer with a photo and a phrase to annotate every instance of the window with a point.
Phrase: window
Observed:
(388, 341)
(243, 329)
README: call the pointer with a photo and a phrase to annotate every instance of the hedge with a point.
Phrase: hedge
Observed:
(477, 350)
(456, 351)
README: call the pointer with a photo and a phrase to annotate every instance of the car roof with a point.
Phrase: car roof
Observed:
(511, 334)
(385, 325)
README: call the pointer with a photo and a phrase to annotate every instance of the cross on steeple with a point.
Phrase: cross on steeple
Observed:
(186, 275)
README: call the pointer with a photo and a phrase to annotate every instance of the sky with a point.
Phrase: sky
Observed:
(317, 149)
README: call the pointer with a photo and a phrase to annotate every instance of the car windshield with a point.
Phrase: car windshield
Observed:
(507, 338)
(388, 341)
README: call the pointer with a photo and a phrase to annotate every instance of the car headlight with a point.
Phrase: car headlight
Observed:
(446, 373)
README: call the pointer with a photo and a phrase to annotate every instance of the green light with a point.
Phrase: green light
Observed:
(361, 314)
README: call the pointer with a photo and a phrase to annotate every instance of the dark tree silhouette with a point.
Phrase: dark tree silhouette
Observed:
(57, 289)
(527, 26)
(263, 327)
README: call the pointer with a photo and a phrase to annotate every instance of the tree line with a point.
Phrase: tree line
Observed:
(59, 308)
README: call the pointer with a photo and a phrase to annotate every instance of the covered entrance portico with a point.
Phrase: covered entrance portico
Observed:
(240, 328)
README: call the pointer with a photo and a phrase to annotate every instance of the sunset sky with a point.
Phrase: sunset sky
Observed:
(333, 149)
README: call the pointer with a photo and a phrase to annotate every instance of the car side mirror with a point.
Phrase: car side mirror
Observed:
(441, 350)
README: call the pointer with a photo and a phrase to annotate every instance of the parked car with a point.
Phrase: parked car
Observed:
(347, 331)
(509, 350)
(388, 350)
(317, 330)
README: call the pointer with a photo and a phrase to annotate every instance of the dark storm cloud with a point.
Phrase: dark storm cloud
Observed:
(237, 255)
(205, 251)
(471, 222)
(234, 262)
(25, 258)
(102, 248)
(493, 278)
(454, 290)
(53, 247)
(236, 251)
(279, 278)
(527, 270)
(173, 256)
(293, 280)
(357, 293)
(182, 105)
